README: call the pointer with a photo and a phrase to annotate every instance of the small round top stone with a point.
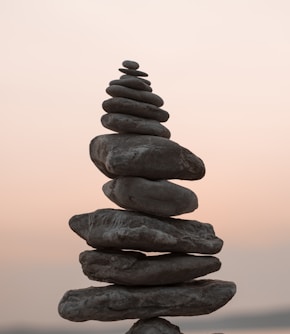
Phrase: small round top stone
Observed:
(132, 65)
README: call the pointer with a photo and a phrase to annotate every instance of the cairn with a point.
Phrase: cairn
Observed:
(140, 159)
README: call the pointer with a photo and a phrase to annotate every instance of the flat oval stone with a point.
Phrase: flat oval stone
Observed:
(133, 65)
(158, 198)
(134, 94)
(134, 268)
(116, 302)
(122, 105)
(121, 229)
(131, 124)
(132, 82)
(154, 326)
(125, 76)
(146, 156)
(134, 73)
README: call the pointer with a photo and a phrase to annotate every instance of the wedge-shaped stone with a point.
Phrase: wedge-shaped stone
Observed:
(118, 302)
(132, 124)
(135, 268)
(134, 94)
(121, 229)
(126, 76)
(122, 105)
(132, 72)
(154, 326)
(158, 198)
(146, 156)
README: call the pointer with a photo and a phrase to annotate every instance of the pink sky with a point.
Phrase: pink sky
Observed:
(222, 68)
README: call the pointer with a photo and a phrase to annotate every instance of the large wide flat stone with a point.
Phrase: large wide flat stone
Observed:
(118, 302)
(122, 105)
(135, 268)
(154, 326)
(131, 124)
(158, 198)
(146, 156)
(121, 229)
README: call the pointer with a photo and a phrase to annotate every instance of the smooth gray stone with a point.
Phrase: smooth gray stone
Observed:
(133, 65)
(131, 124)
(154, 326)
(158, 198)
(116, 302)
(134, 94)
(135, 268)
(121, 229)
(146, 156)
(125, 76)
(123, 105)
(134, 73)
(132, 82)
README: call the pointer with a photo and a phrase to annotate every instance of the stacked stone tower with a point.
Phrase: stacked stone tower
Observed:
(145, 253)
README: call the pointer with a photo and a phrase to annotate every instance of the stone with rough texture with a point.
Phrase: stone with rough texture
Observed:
(121, 229)
(134, 73)
(123, 105)
(116, 302)
(154, 326)
(131, 64)
(158, 198)
(134, 94)
(146, 156)
(135, 268)
(125, 76)
(132, 82)
(131, 124)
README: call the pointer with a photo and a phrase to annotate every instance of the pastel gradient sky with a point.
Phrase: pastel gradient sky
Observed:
(222, 68)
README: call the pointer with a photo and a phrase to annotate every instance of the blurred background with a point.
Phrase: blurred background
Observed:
(222, 68)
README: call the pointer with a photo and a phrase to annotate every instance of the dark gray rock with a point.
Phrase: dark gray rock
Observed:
(158, 198)
(134, 73)
(132, 82)
(134, 94)
(133, 65)
(146, 156)
(132, 124)
(123, 105)
(125, 76)
(121, 229)
(115, 302)
(135, 268)
(154, 326)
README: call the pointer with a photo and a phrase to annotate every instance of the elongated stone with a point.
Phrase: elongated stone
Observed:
(134, 94)
(135, 73)
(154, 326)
(133, 65)
(117, 302)
(131, 124)
(123, 105)
(126, 76)
(150, 157)
(121, 229)
(132, 82)
(158, 198)
(135, 268)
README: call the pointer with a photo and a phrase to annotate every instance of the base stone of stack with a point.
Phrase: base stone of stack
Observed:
(117, 302)
(154, 326)
(121, 229)
(135, 268)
